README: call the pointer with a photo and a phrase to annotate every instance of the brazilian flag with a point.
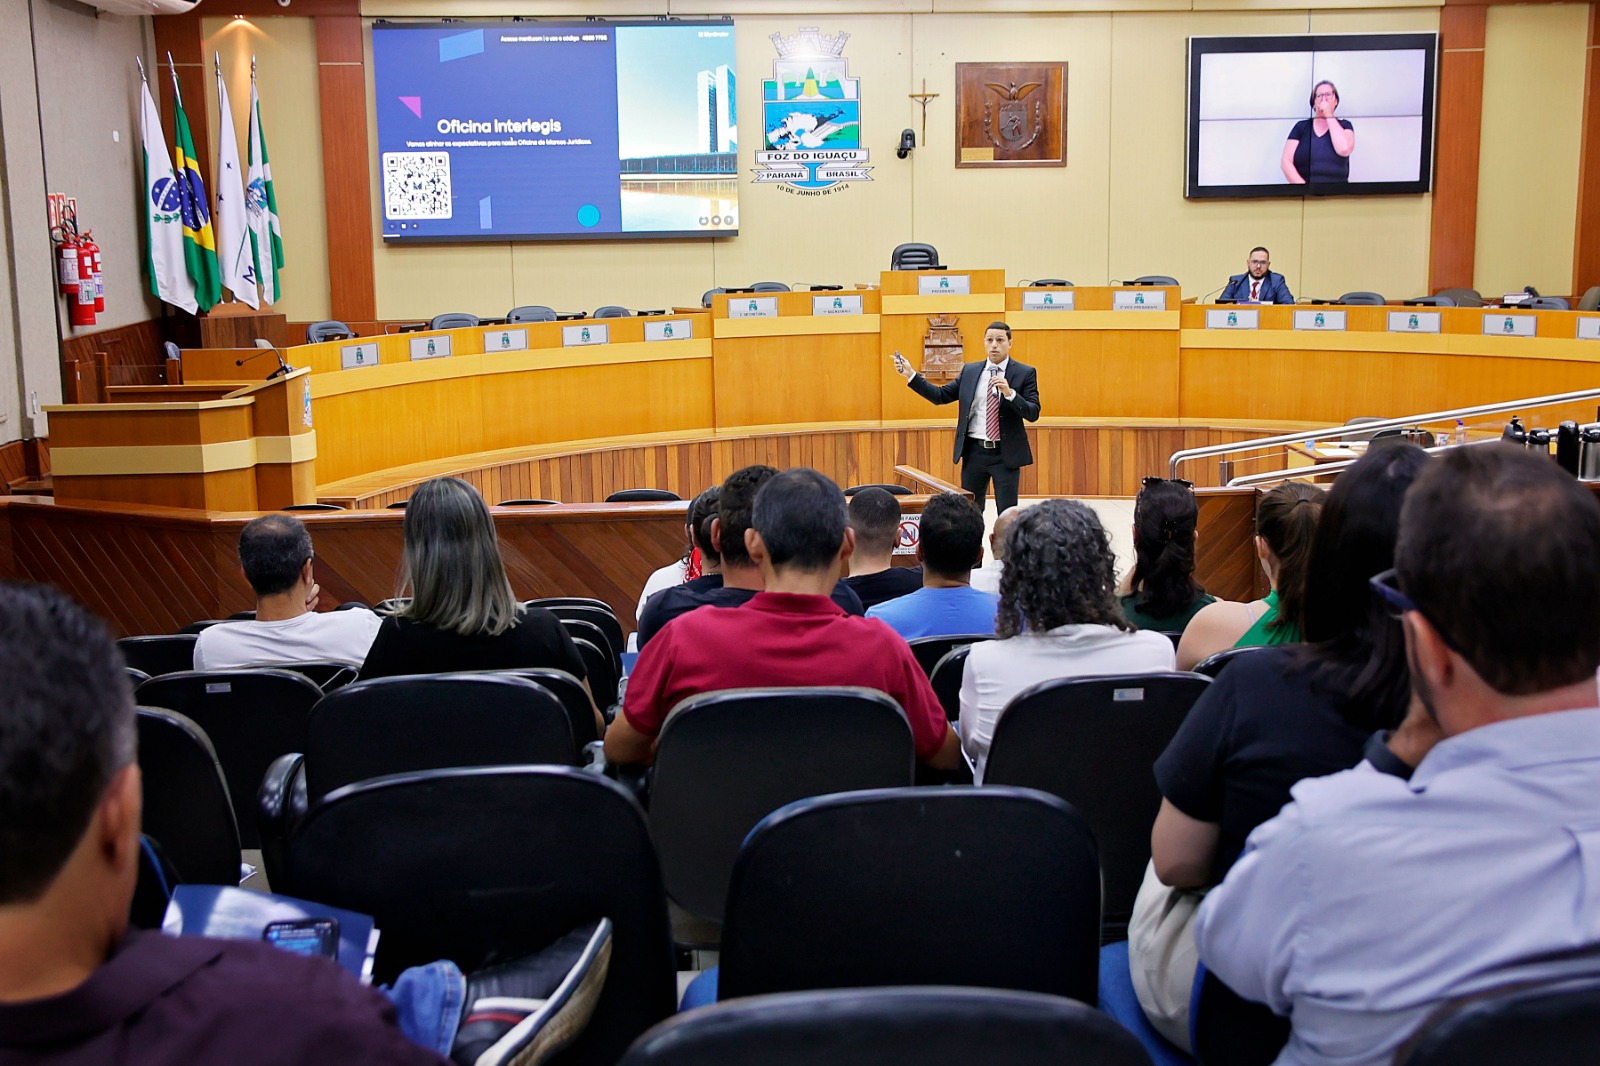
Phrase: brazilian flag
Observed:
(199, 243)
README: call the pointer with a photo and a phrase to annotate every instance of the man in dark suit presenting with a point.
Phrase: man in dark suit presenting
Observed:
(996, 396)
(1258, 284)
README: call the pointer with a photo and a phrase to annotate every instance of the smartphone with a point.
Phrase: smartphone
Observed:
(305, 936)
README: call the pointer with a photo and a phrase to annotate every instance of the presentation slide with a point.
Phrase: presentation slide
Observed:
(1317, 115)
(556, 130)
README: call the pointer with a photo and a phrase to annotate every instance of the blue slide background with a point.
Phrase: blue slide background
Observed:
(534, 190)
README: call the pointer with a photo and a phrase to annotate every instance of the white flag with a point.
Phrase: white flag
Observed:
(265, 233)
(163, 214)
(235, 253)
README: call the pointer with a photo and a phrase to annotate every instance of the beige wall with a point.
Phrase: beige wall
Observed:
(1533, 76)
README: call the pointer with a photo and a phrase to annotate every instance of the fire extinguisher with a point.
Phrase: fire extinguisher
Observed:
(80, 305)
(67, 266)
(95, 272)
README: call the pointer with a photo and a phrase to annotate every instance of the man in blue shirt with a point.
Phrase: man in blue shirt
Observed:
(1258, 284)
(951, 544)
(1371, 900)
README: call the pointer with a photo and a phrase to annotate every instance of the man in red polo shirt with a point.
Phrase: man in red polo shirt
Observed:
(790, 634)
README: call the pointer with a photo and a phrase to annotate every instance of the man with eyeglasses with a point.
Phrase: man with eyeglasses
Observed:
(1258, 284)
(1372, 899)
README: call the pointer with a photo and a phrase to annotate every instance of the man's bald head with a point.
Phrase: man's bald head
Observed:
(997, 538)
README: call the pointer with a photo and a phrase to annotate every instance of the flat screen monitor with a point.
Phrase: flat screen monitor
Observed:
(556, 130)
(1262, 114)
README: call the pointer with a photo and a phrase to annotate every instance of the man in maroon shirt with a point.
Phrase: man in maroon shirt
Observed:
(790, 634)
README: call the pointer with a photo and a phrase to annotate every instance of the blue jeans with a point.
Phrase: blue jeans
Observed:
(428, 1002)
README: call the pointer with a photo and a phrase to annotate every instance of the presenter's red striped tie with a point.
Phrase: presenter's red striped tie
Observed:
(991, 421)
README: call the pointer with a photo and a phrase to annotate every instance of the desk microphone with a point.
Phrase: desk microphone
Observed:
(1207, 297)
(265, 346)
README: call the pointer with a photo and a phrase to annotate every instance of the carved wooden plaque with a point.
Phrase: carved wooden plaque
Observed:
(1011, 114)
(942, 350)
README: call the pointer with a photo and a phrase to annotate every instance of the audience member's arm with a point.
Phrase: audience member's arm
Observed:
(599, 719)
(1248, 926)
(626, 746)
(631, 737)
(948, 757)
(1184, 849)
(1214, 628)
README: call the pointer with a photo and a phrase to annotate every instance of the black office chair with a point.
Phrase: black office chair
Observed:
(929, 650)
(1590, 300)
(526, 503)
(1361, 434)
(326, 674)
(896, 490)
(600, 670)
(728, 759)
(1362, 299)
(242, 616)
(1230, 1030)
(1153, 279)
(1048, 282)
(574, 601)
(1212, 665)
(312, 507)
(987, 887)
(137, 677)
(705, 298)
(612, 311)
(186, 804)
(531, 313)
(584, 629)
(642, 496)
(1551, 1023)
(930, 1026)
(328, 330)
(453, 320)
(159, 655)
(1092, 742)
(602, 618)
(392, 604)
(1463, 297)
(769, 286)
(398, 505)
(486, 864)
(196, 628)
(1548, 303)
(251, 718)
(574, 700)
(946, 680)
(1431, 301)
(915, 256)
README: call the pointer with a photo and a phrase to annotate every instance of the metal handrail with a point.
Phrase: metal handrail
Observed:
(1292, 472)
(1187, 454)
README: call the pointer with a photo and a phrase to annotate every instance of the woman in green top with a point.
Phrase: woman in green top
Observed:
(1286, 519)
(1162, 593)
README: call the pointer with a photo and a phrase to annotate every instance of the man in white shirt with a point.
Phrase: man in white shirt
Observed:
(986, 578)
(1372, 900)
(275, 554)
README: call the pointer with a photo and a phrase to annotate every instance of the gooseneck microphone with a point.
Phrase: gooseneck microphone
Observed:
(266, 347)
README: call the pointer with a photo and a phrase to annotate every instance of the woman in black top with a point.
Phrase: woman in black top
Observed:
(462, 614)
(1319, 147)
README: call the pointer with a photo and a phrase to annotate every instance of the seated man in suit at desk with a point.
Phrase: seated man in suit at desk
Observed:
(1258, 284)
(996, 396)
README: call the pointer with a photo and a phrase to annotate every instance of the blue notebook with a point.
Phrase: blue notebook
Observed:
(239, 914)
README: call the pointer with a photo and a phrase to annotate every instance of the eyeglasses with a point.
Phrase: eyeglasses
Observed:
(1167, 481)
(1399, 603)
(1325, 95)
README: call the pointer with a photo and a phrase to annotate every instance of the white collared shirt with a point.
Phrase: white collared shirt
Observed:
(977, 420)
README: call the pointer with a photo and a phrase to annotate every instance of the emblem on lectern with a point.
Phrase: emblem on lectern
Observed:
(942, 350)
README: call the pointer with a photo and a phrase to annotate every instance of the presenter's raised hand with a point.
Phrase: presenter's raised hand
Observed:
(902, 367)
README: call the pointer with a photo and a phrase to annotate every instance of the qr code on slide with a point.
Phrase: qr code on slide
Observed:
(416, 185)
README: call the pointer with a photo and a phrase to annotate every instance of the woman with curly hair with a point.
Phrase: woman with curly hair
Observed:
(1058, 618)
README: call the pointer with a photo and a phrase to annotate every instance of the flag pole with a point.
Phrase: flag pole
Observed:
(176, 88)
(138, 62)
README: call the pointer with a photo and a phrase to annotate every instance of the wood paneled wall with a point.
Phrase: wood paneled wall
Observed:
(135, 346)
(1586, 242)
(1457, 134)
(342, 82)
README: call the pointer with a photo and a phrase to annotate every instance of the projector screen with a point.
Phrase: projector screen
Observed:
(1262, 114)
(556, 130)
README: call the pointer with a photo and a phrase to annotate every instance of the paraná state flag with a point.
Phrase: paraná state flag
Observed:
(163, 214)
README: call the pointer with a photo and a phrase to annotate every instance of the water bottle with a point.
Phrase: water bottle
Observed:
(1461, 432)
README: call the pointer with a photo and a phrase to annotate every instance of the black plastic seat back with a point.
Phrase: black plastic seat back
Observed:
(328, 330)
(159, 655)
(251, 718)
(575, 601)
(531, 313)
(453, 320)
(705, 298)
(642, 496)
(989, 887)
(929, 650)
(1230, 1030)
(1092, 741)
(728, 759)
(1553, 1024)
(769, 286)
(914, 256)
(874, 1026)
(946, 680)
(600, 671)
(1362, 298)
(186, 804)
(569, 690)
(1212, 665)
(482, 865)
(1154, 279)
(196, 628)
(326, 674)
(396, 725)
(612, 311)
(602, 618)
(893, 490)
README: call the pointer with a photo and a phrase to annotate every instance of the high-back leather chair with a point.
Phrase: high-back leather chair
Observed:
(186, 805)
(915, 256)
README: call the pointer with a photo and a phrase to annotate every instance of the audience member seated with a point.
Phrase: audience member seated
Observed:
(1286, 519)
(875, 518)
(1372, 900)
(78, 985)
(687, 568)
(275, 555)
(670, 601)
(950, 546)
(1058, 617)
(987, 577)
(740, 578)
(1162, 592)
(789, 634)
(462, 614)
(1270, 720)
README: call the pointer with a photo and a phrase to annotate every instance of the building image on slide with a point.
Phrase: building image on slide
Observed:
(717, 114)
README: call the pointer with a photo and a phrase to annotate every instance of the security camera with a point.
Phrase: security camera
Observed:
(908, 138)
